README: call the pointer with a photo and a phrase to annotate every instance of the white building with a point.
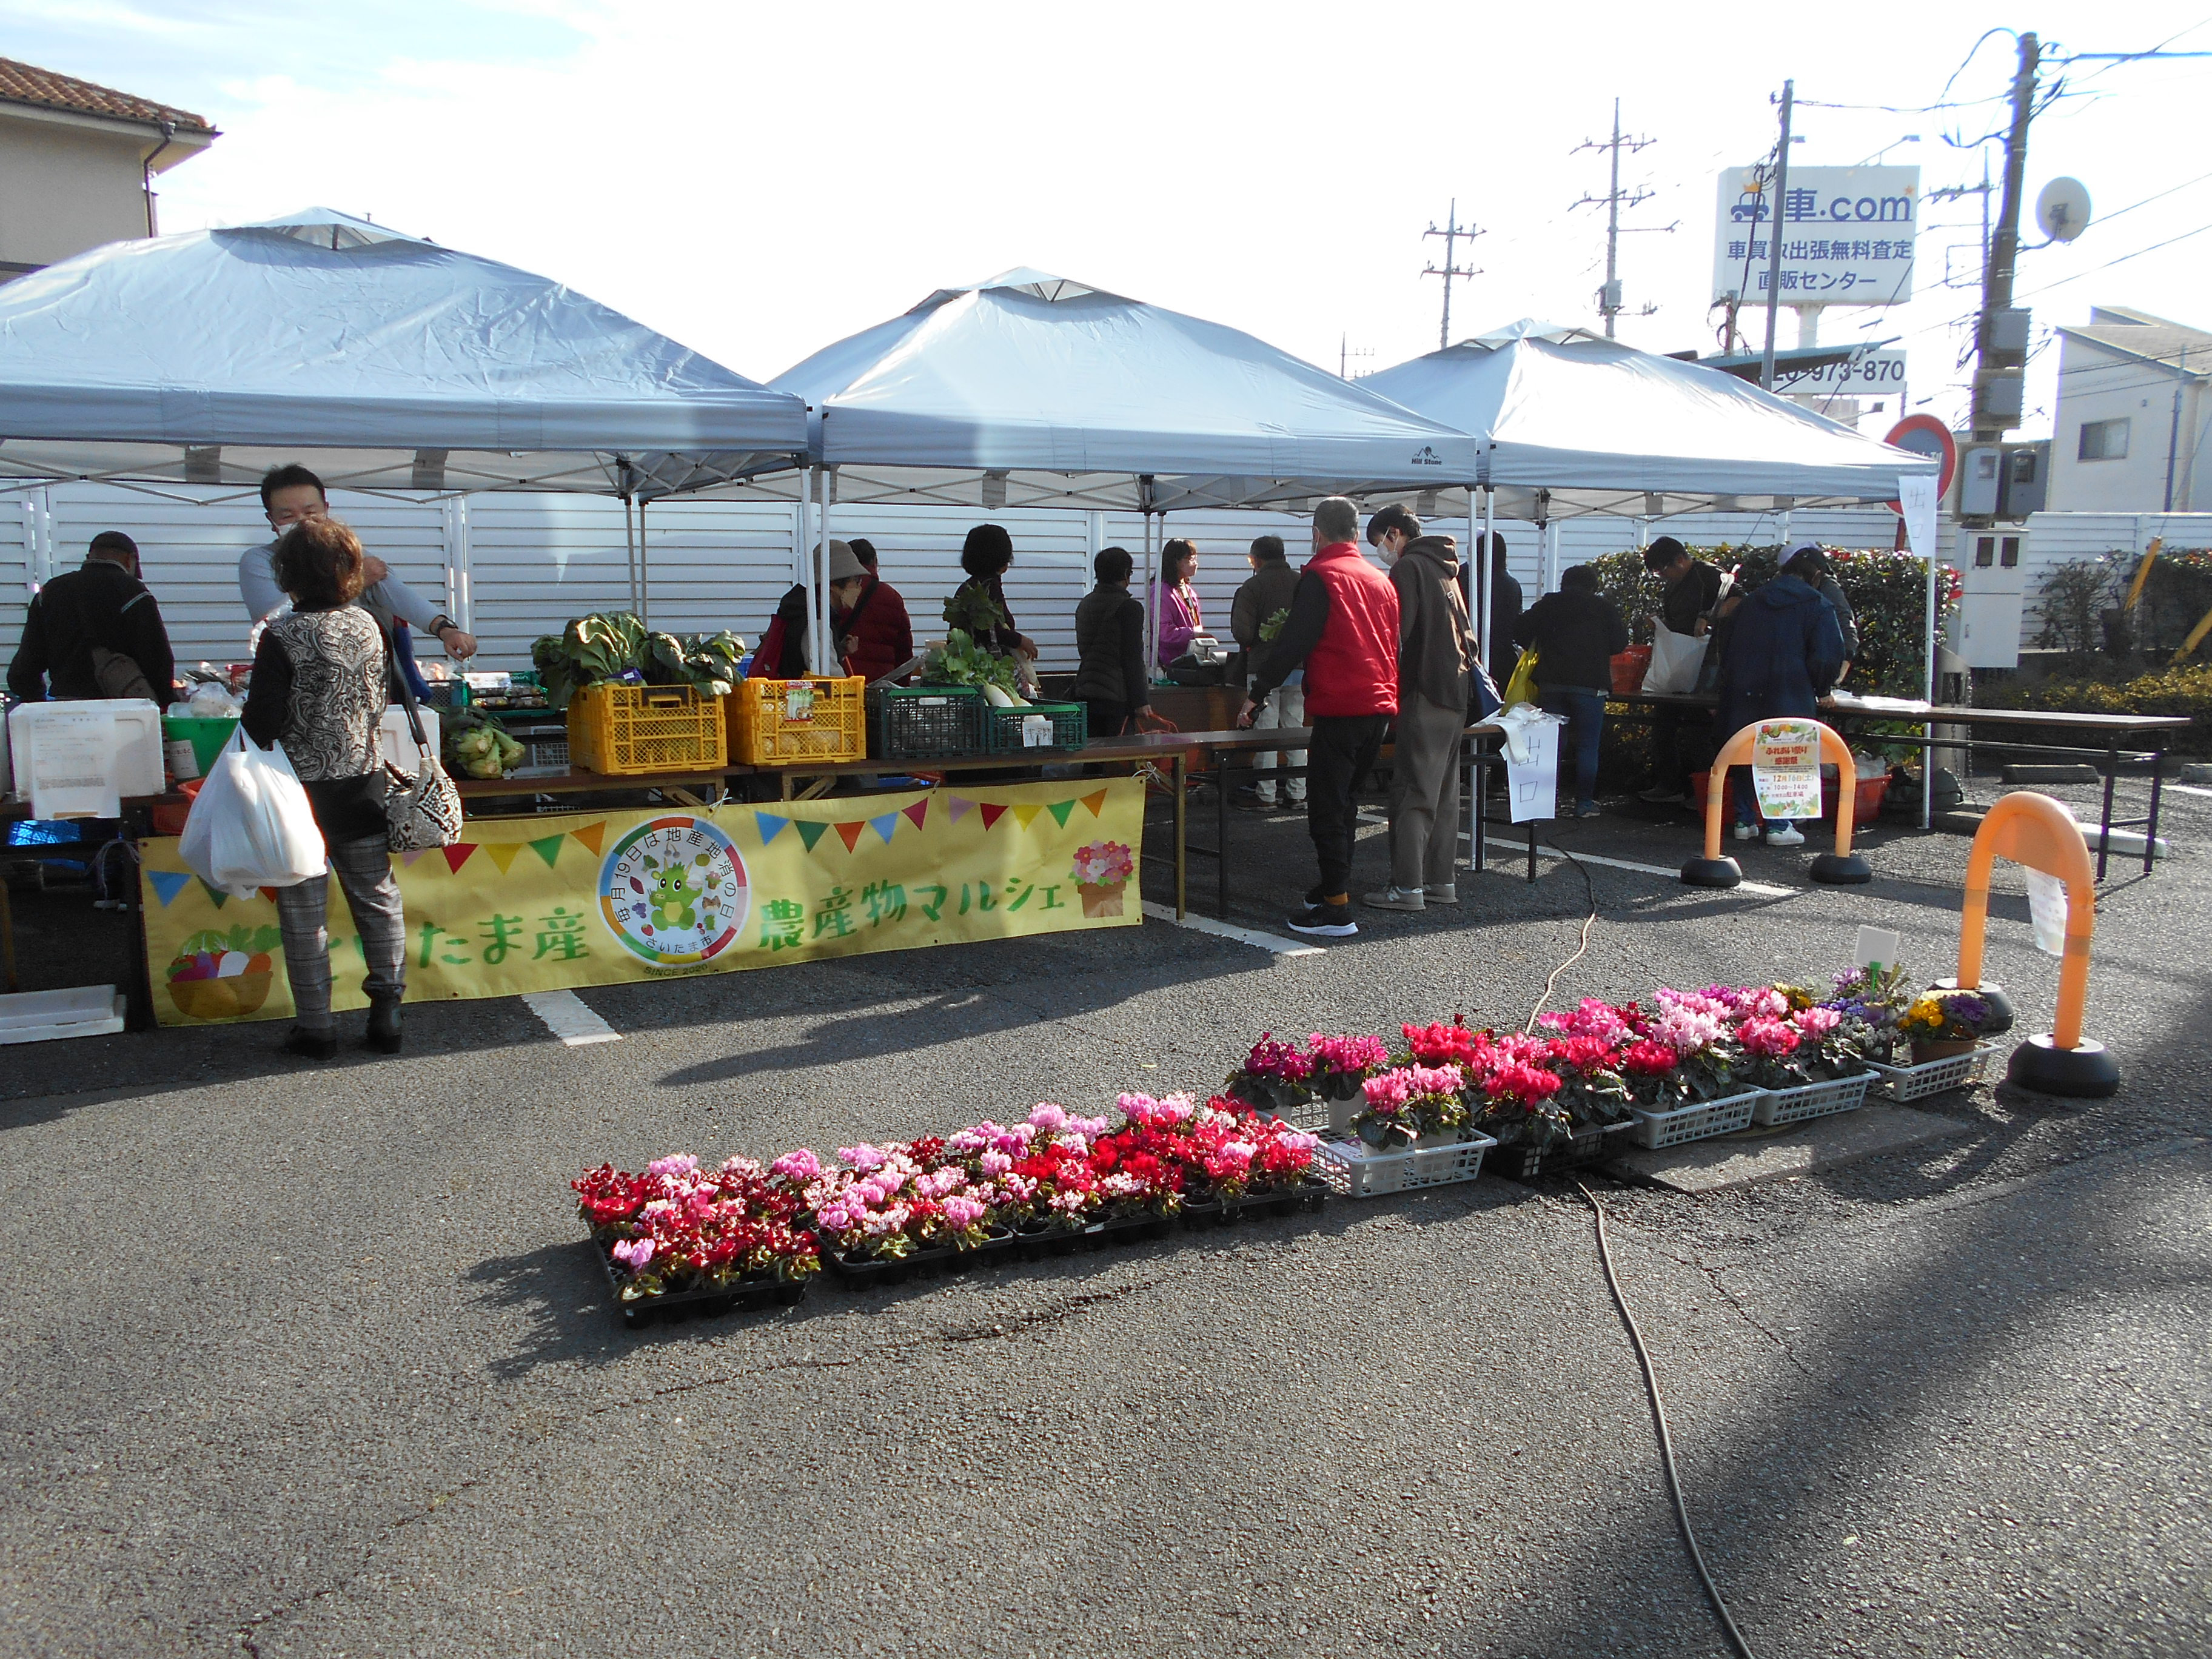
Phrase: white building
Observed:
(77, 162)
(2130, 432)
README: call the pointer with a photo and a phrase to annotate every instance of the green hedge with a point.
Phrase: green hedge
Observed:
(1887, 591)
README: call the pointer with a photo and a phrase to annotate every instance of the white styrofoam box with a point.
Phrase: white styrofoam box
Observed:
(398, 742)
(76, 759)
(44, 1016)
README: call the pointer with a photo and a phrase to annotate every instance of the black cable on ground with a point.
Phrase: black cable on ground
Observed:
(1666, 1441)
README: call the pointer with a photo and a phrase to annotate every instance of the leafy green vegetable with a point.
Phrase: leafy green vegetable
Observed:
(1272, 627)
(607, 646)
(961, 661)
(973, 611)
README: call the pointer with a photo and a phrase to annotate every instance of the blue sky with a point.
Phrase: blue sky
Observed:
(757, 184)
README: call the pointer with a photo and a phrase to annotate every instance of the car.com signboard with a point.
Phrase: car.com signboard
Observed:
(1847, 236)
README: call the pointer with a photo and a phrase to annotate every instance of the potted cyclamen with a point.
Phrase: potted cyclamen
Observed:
(1100, 872)
(1341, 1067)
(681, 1240)
(1413, 1106)
(1683, 1072)
(1807, 1059)
(1274, 1077)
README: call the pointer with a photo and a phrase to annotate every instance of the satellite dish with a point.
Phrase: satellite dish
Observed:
(2062, 209)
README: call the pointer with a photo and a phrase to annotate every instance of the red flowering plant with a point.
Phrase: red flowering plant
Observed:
(1806, 1045)
(1412, 1103)
(679, 1228)
(1274, 1077)
(1226, 1150)
(1341, 1064)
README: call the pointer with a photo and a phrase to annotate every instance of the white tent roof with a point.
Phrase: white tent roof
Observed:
(384, 359)
(1032, 390)
(1607, 428)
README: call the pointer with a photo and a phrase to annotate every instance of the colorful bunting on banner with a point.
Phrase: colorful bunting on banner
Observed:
(1095, 802)
(850, 833)
(268, 893)
(1061, 810)
(503, 854)
(771, 826)
(918, 812)
(591, 835)
(216, 897)
(959, 807)
(883, 825)
(548, 850)
(992, 811)
(167, 884)
(809, 831)
(1026, 815)
(408, 858)
(458, 853)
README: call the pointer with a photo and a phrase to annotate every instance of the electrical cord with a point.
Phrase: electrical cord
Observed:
(1666, 1441)
(1582, 950)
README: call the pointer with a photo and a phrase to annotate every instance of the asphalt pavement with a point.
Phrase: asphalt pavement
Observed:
(315, 1361)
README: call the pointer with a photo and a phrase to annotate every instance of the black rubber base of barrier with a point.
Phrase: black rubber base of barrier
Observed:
(2000, 1006)
(1841, 870)
(1712, 872)
(2088, 1073)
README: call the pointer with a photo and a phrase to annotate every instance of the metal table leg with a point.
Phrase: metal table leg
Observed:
(1221, 834)
(1183, 845)
(2151, 829)
(2105, 827)
(1532, 849)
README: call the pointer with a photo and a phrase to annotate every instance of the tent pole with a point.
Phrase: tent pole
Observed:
(807, 542)
(1927, 754)
(825, 654)
(644, 571)
(1483, 574)
(629, 555)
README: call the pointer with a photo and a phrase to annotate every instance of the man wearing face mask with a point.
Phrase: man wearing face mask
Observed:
(291, 493)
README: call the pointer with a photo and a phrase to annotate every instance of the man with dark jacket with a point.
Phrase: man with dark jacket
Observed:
(1109, 644)
(1434, 654)
(1686, 606)
(1343, 631)
(83, 616)
(1781, 657)
(1576, 634)
(1265, 599)
(1505, 608)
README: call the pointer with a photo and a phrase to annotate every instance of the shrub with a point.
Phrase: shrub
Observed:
(2186, 691)
(2074, 597)
(1886, 590)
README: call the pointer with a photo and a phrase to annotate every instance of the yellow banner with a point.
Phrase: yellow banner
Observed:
(536, 904)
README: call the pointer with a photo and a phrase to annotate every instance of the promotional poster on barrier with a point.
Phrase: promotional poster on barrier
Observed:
(1785, 770)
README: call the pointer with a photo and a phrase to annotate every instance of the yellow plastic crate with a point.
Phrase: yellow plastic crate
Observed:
(784, 722)
(619, 729)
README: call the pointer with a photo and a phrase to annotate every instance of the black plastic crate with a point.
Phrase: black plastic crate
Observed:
(746, 1296)
(1071, 726)
(925, 722)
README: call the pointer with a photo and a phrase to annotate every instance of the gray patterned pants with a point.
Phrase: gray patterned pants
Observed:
(364, 871)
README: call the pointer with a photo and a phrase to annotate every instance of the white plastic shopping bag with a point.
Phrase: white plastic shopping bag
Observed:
(251, 826)
(1675, 661)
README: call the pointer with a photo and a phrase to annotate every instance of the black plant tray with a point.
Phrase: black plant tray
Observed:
(1519, 1162)
(1307, 1194)
(750, 1296)
(932, 1263)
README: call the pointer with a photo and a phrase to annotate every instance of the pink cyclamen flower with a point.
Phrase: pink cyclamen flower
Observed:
(863, 1157)
(800, 1166)
(683, 1163)
(634, 1253)
(1767, 1037)
(995, 1163)
(1390, 1092)
(963, 1211)
(1048, 1117)
(1817, 1023)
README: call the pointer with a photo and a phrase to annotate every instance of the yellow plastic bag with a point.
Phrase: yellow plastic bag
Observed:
(1520, 687)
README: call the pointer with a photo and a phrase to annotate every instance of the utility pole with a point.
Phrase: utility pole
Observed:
(1608, 299)
(1452, 232)
(2001, 336)
(1774, 236)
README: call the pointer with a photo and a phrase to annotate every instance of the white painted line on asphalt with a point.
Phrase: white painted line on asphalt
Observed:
(571, 1018)
(2187, 789)
(1504, 854)
(1275, 942)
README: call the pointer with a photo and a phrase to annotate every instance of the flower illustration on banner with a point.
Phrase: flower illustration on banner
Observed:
(674, 891)
(1099, 871)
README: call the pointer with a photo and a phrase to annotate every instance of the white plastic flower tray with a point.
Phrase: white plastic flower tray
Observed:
(1355, 1170)
(1707, 1118)
(1843, 1094)
(1933, 1076)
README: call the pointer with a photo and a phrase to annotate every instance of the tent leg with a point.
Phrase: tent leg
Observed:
(630, 556)
(825, 654)
(807, 573)
(644, 571)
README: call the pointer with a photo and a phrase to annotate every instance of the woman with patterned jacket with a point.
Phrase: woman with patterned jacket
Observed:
(319, 687)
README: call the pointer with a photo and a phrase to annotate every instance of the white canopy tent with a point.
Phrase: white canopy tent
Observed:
(1030, 390)
(384, 361)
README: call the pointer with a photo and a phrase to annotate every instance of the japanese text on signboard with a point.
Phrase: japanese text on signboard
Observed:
(1847, 235)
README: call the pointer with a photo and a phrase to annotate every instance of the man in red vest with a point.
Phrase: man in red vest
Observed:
(1343, 631)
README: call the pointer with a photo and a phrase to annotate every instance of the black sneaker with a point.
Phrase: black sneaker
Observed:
(1324, 921)
(311, 1045)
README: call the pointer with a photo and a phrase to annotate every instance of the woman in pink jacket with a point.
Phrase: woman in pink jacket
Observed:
(1174, 601)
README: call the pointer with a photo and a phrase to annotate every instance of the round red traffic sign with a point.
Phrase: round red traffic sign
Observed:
(1924, 434)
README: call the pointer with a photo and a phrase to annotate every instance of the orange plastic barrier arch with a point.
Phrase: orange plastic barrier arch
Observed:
(1736, 751)
(2036, 831)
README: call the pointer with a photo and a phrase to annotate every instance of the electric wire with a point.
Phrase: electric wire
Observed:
(1665, 1439)
(1582, 950)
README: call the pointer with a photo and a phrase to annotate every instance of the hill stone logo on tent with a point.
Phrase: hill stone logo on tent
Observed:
(1427, 457)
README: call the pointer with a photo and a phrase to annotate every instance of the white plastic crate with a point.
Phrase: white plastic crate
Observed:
(47, 1016)
(1933, 1076)
(76, 759)
(397, 736)
(1354, 1170)
(1842, 1094)
(1706, 1117)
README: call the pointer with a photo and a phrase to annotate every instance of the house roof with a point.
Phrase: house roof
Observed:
(2140, 335)
(26, 84)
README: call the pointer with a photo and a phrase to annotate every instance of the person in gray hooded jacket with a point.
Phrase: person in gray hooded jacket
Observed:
(1435, 648)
